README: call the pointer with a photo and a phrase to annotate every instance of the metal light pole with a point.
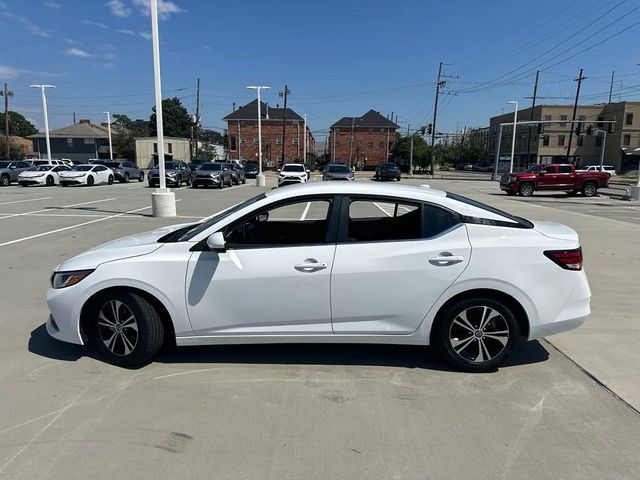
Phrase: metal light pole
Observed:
(497, 160)
(304, 141)
(261, 181)
(163, 201)
(515, 128)
(46, 115)
(109, 128)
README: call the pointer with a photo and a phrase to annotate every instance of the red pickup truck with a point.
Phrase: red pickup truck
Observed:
(562, 177)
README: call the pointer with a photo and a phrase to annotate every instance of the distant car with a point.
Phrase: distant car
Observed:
(387, 171)
(176, 172)
(464, 166)
(562, 177)
(43, 161)
(338, 171)
(482, 167)
(250, 169)
(292, 173)
(125, 171)
(9, 170)
(212, 174)
(237, 173)
(86, 174)
(596, 168)
(42, 175)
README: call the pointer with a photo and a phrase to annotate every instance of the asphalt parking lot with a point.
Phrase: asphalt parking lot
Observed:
(562, 408)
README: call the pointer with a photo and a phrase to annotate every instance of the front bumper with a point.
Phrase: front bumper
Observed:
(508, 187)
(32, 181)
(65, 305)
(73, 181)
(155, 181)
(290, 180)
(207, 181)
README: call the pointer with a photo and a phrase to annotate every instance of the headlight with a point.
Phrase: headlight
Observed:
(66, 279)
(512, 179)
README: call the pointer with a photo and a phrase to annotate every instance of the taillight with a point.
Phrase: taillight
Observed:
(567, 259)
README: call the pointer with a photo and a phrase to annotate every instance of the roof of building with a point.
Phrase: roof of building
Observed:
(369, 119)
(79, 130)
(165, 138)
(250, 112)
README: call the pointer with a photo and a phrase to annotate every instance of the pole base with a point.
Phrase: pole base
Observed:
(634, 193)
(261, 180)
(163, 203)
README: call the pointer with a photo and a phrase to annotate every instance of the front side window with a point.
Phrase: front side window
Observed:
(550, 169)
(296, 223)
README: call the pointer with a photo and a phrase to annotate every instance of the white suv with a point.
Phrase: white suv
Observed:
(292, 173)
(596, 168)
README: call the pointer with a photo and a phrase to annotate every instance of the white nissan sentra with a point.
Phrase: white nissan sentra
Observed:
(329, 262)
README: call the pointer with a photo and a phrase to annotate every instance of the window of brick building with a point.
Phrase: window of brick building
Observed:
(242, 141)
(370, 144)
(628, 119)
(626, 140)
(279, 141)
(381, 144)
(232, 143)
(255, 140)
(561, 140)
(563, 120)
(545, 141)
(294, 140)
(169, 148)
(547, 118)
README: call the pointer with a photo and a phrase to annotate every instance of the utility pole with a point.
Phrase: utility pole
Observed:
(304, 140)
(260, 178)
(108, 114)
(575, 108)
(6, 94)
(284, 94)
(74, 118)
(611, 86)
(353, 120)
(439, 83)
(533, 107)
(197, 122)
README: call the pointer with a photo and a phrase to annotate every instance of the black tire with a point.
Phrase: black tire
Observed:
(5, 180)
(64, 184)
(127, 179)
(526, 189)
(244, 180)
(221, 184)
(90, 180)
(572, 193)
(110, 180)
(475, 352)
(141, 177)
(24, 185)
(510, 193)
(50, 181)
(194, 185)
(179, 182)
(589, 189)
(116, 338)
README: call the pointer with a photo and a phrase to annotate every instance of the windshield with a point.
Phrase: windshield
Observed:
(220, 216)
(251, 166)
(82, 168)
(112, 164)
(389, 166)
(41, 168)
(338, 169)
(293, 168)
(534, 168)
(169, 166)
(211, 166)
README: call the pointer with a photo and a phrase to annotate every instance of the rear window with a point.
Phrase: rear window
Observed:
(519, 221)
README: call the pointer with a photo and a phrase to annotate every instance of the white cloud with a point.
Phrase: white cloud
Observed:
(51, 4)
(95, 24)
(165, 8)
(118, 8)
(76, 52)
(3, 5)
(28, 24)
(70, 41)
(7, 72)
(125, 31)
(145, 35)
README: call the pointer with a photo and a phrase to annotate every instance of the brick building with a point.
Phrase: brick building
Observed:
(242, 131)
(362, 141)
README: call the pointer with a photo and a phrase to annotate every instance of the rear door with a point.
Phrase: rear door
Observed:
(565, 178)
(395, 258)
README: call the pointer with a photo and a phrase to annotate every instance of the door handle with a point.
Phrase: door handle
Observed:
(310, 265)
(446, 258)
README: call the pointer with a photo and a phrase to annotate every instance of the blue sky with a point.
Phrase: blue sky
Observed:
(339, 58)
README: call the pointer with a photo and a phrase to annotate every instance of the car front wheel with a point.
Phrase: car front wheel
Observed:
(476, 334)
(526, 190)
(127, 329)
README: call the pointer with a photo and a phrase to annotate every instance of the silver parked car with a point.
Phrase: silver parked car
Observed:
(212, 174)
(338, 171)
(125, 171)
(176, 172)
(9, 171)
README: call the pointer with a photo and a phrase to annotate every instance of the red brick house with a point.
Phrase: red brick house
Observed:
(362, 141)
(242, 131)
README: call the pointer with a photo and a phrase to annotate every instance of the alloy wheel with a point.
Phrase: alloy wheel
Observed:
(118, 328)
(479, 334)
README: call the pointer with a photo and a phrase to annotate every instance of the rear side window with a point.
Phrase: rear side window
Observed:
(564, 169)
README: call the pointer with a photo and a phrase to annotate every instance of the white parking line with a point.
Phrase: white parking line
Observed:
(304, 213)
(51, 208)
(22, 201)
(30, 237)
(383, 210)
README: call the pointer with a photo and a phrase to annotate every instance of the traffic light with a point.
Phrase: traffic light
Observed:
(423, 130)
(430, 128)
(589, 129)
(578, 129)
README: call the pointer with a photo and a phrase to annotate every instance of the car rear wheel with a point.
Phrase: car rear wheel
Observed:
(141, 177)
(476, 334)
(90, 180)
(127, 179)
(526, 190)
(127, 329)
(50, 181)
(5, 180)
(589, 189)
(110, 180)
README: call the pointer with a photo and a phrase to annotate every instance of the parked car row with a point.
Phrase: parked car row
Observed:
(202, 174)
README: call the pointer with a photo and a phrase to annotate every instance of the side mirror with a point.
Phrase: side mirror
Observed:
(216, 242)
(278, 170)
(308, 171)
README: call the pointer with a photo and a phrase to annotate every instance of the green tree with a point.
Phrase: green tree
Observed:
(18, 125)
(125, 133)
(176, 120)
(402, 150)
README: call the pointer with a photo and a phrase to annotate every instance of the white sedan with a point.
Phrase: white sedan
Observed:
(292, 173)
(356, 263)
(86, 174)
(42, 175)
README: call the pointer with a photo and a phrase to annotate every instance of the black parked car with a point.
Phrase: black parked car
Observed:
(251, 169)
(176, 173)
(387, 171)
(237, 173)
(125, 171)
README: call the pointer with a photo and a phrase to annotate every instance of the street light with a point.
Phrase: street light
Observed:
(260, 179)
(515, 127)
(109, 128)
(163, 201)
(46, 115)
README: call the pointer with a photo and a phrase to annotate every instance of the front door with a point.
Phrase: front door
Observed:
(274, 277)
(395, 260)
(548, 178)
